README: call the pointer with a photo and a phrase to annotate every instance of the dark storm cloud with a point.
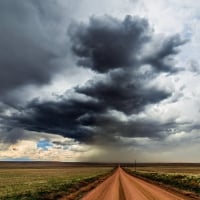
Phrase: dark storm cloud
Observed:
(161, 58)
(119, 50)
(107, 43)
(28, 50)
(123, 91)
(11, 136)
(134, 128)
(61, 117)
(84, 121)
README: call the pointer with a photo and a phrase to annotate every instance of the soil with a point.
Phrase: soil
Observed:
(122, 186)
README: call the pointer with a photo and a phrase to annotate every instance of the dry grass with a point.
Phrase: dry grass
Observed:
(182, 176)
(30, 183)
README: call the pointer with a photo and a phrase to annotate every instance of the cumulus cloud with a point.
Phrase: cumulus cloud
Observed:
(107, 43)
(124, 91)
(112, 47)
(27, 149)
(137, 98)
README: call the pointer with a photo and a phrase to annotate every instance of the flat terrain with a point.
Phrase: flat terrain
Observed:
(70, 181)
(122, 186)
(181, 168)
(31, 180)
(182, 176)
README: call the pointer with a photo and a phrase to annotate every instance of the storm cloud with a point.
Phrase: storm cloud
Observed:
(99, 81)
(29, 53)
(86, 121)
(124, 91)
(107, 43)
(122, 52)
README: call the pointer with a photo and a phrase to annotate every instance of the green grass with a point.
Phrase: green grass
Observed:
(184, 178)
(34, 184)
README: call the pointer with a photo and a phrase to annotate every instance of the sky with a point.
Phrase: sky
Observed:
(100, 81)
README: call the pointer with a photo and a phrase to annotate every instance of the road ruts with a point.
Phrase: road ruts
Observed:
(122, 186)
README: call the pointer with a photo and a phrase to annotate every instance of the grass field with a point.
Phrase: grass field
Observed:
(185, 168)
(28, 183)
(182, 176)
(38, 180)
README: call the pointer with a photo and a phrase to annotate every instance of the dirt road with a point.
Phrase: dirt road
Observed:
(122, 186)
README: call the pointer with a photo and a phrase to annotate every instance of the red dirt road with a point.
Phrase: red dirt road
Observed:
(122, 186)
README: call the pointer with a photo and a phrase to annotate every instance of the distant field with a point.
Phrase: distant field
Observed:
(185, 168)
(32, 181)
(181, 176)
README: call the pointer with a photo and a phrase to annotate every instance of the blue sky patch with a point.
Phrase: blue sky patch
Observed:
(44, 144)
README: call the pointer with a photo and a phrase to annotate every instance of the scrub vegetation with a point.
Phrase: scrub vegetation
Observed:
(181, 176)
(45, 183)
